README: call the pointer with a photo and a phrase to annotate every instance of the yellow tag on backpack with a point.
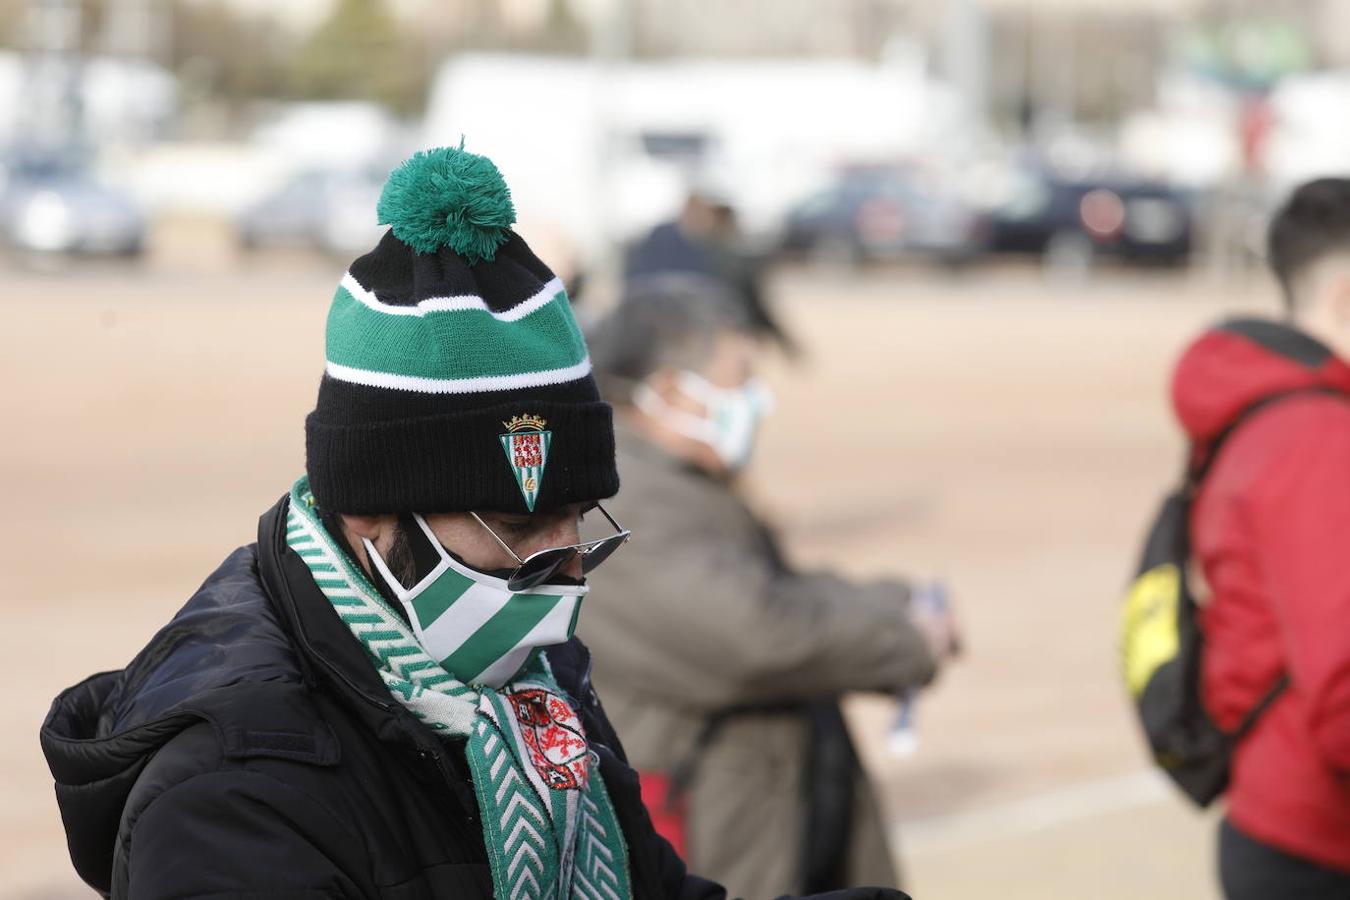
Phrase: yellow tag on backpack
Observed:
(1149, 628)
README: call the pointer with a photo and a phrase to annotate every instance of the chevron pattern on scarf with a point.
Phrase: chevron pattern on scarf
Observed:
(597, 870)
(515, 836)
(542, 842)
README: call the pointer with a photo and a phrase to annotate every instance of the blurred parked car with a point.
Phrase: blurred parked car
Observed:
(1071, 223)
(325, 210)
(883, 212)
(51, 203)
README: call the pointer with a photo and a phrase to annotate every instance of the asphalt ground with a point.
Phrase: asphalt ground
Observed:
(1007, 434)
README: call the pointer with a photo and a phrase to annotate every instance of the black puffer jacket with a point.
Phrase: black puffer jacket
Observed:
(251, 750)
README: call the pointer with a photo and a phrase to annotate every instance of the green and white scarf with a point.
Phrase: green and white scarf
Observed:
(548, 824)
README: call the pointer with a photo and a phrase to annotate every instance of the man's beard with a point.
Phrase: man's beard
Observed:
(399, 558)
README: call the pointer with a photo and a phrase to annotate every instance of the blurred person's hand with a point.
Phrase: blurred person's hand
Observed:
(933, 616)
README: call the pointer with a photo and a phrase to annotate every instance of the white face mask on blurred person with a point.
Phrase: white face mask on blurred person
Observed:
(732, 419)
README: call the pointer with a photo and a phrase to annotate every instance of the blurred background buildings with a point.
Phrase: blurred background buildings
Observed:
(1029, 205)
(1073, 129)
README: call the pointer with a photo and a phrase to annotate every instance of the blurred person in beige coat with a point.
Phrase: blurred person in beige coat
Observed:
(721, 664)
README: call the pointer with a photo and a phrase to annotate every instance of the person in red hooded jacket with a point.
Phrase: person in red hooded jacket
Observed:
(1270, 530)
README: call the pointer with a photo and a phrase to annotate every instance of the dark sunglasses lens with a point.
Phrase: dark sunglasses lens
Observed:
(602, 551)
(539, 568)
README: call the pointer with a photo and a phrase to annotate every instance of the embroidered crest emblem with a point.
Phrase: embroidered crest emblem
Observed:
(526, 446)
(553, 736)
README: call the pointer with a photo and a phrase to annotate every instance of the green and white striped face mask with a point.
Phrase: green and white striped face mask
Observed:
(472, 624)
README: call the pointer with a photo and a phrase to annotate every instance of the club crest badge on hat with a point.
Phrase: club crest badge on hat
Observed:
(526, 446)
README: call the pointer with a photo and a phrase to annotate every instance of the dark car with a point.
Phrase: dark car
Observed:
(1071, 223)
(883, 212)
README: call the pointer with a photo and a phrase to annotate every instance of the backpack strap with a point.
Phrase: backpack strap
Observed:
(1199, 463)
(1261, 706)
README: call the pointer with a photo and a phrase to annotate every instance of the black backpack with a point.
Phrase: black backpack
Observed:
(1162, 643)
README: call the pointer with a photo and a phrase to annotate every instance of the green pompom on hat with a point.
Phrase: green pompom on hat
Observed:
(457, 378)
(448, 197)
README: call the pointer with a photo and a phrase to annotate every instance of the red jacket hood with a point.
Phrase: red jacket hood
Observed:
(1241, 361)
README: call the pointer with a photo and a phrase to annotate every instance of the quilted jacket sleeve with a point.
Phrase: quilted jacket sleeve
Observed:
(239, 834)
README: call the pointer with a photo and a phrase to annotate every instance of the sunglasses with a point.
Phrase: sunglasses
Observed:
(539, 567)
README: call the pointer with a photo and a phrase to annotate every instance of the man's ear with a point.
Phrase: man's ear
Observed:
(370, 528)
(379, 530)
(1339, 295)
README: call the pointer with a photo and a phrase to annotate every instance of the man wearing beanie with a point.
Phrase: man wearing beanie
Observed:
(382, 696)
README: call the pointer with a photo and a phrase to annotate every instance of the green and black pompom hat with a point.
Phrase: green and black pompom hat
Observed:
(457, 378)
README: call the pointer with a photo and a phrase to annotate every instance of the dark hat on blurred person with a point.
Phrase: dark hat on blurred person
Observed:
(660, 320)
(457, 378)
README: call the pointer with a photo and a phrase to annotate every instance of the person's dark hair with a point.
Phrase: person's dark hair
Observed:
(663, 321)
(1313, 223)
